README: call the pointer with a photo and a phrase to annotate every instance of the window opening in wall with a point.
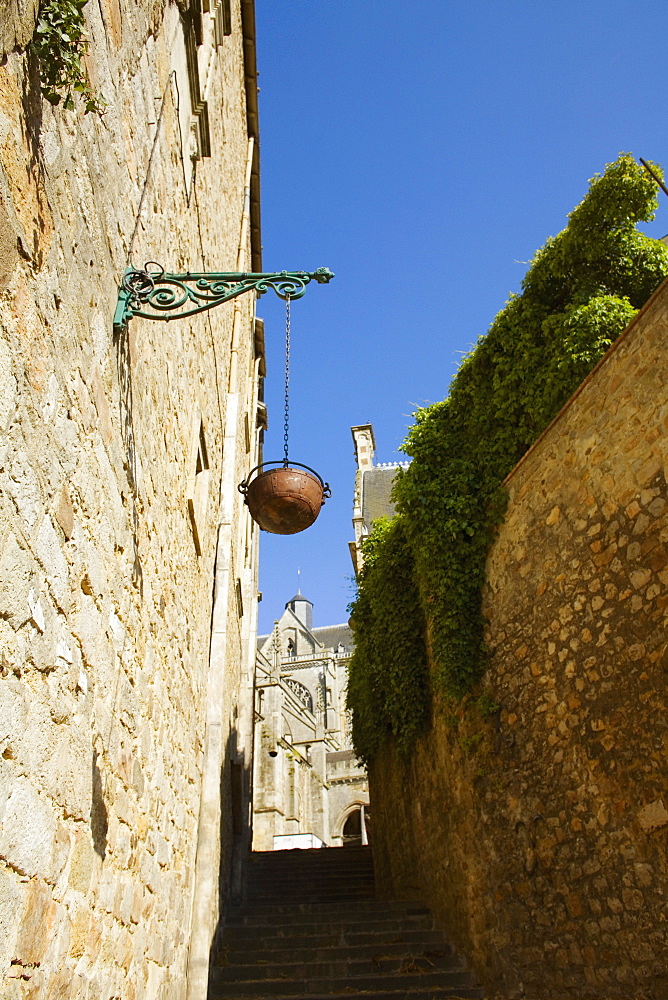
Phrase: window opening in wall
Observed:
(240, 599)
(224, 15)
(192, 30)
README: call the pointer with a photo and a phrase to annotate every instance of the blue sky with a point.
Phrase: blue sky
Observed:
(423, 151)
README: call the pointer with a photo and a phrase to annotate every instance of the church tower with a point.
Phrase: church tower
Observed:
(302, 608)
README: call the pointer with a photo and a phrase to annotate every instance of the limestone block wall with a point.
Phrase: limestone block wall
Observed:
(539, 833)
(123, 540)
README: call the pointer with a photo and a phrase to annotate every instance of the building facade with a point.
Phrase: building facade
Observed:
(309, 789)
(372, 498)
(128, 589)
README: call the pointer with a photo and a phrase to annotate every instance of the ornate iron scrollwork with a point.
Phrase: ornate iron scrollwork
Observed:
(153, 293)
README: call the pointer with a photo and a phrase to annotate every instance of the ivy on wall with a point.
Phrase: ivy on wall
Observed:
(580, 292)
(60, 44)
(389, 695)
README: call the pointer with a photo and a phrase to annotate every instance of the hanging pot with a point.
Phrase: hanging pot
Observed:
(284, 500)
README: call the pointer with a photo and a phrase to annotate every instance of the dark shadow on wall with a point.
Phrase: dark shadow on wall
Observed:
(99, 817)
(30, 247)
(235, 836)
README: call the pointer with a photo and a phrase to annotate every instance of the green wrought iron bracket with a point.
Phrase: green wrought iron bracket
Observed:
(152, 293)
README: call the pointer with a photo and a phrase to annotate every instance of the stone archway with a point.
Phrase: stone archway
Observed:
(352, 827)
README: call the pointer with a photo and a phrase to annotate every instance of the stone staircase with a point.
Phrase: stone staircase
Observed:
(311, 928)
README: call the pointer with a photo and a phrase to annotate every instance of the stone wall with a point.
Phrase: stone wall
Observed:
(119, 516)
(538, 831)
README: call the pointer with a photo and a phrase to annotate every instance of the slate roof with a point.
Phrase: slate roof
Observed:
(328, 635)
(331, 635)
(298, 597)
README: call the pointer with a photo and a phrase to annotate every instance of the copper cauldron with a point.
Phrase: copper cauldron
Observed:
(284, 500)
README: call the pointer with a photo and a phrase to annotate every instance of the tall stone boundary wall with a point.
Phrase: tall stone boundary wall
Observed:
(538, 832)
(127, 560)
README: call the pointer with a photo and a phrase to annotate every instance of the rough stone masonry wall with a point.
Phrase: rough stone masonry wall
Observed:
(105, 605)
(539, 834)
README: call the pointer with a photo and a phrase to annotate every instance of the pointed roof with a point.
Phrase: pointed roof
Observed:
(298, 597)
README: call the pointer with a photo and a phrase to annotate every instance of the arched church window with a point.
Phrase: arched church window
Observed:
(301, 691)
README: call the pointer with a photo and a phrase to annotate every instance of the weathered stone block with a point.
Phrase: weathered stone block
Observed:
(653, 816)
(8, 384)
(82, 860)
(36, 927)
(12, 902)
(27, 832)
(16, 573)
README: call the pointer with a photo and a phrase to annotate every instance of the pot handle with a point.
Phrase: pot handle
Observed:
(326, 488)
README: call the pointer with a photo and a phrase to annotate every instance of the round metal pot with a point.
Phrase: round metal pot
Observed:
(285, 500)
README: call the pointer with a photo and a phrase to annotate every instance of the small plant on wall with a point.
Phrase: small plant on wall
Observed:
(60, 44)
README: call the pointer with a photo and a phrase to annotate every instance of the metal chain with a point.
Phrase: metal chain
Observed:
(287, 380)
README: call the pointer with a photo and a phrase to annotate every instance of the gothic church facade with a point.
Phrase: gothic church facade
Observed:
(309, 788)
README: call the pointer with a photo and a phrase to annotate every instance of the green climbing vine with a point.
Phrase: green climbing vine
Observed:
(60, 44)
(580, 292)
(389, 694)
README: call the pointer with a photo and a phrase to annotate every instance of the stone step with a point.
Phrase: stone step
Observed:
(426, 944)
(323, 890)
(352, 879)
(414, 993)
(288, 878)
(322, 882)
(342, 968)
(346, 931)
(326, 865)
(309, 871)
(312, 894)
(347, 898)
(305, 874)
(248, 939)
(342, 862)
(284, 987)
(321, 863)
(336, 854)
(311, 911)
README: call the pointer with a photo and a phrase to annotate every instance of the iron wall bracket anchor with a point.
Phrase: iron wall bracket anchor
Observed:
(153, 293)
